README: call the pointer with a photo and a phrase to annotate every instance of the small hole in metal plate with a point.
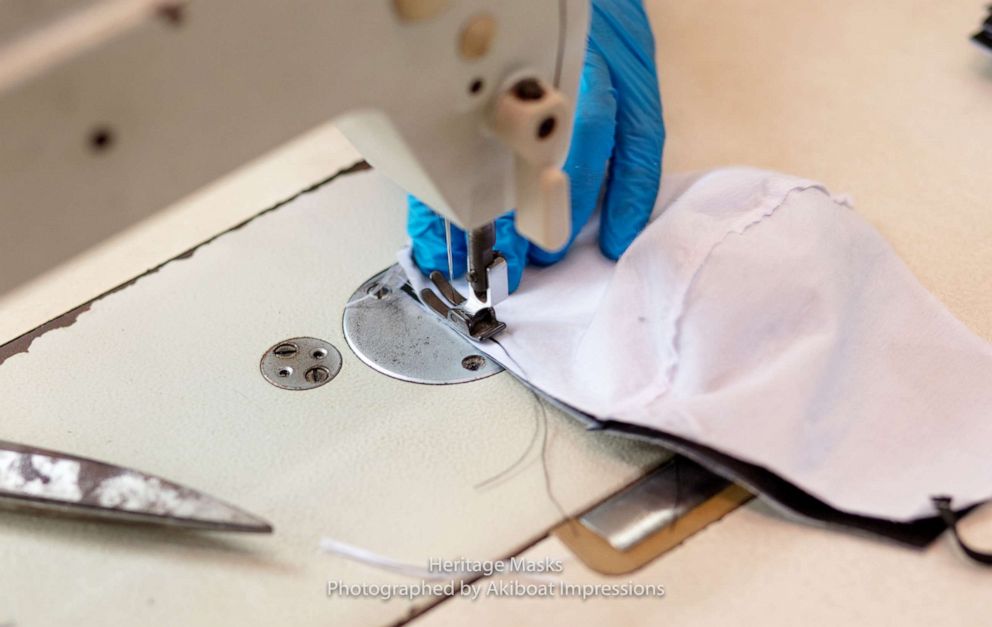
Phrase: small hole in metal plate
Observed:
(320, 353)
(285, 372)
(473, 362)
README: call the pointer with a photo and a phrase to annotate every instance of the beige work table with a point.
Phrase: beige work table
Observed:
(884, 100)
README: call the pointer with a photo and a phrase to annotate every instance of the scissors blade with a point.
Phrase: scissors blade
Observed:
(33, 478)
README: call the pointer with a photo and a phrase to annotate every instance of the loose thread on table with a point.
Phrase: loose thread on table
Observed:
(541, 432)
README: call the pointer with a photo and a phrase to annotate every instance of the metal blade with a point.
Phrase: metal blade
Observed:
(33, 478)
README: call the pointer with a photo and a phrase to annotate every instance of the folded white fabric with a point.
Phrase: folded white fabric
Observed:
(764, 318)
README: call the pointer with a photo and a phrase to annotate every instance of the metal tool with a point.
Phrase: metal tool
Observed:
(38, 479)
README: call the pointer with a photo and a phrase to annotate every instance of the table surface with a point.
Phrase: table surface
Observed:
(163, 376)
(886, 101)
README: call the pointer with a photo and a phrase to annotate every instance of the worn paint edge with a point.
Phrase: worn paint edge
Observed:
(22, 343)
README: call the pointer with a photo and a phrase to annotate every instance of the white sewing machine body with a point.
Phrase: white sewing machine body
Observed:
(112, 109)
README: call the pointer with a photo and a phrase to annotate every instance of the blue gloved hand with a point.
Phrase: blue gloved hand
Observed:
(618, 139)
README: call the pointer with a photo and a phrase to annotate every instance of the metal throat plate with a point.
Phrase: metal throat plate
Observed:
(387, 328)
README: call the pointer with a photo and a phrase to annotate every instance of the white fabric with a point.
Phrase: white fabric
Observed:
(760, 316)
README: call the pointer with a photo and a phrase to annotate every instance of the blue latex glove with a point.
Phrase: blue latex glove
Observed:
(617, 140)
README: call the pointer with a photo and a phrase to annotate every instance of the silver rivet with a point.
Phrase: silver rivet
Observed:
(473, 362)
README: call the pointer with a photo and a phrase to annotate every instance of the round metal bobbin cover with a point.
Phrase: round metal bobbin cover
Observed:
(387, 328)
(300, 363)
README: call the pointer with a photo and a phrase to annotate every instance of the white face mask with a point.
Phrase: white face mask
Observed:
(761, 317)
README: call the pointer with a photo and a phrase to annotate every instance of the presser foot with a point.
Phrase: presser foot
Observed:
(480, 324)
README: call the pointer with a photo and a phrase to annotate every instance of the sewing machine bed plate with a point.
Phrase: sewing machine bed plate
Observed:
(163, 376)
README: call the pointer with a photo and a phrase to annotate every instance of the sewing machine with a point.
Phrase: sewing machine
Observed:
(113, 109)
(465, 104)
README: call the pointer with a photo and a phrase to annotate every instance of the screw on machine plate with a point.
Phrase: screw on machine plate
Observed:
(318, 374)
(473, 362)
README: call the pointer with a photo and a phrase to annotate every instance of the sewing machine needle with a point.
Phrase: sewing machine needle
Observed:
(447, 241)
